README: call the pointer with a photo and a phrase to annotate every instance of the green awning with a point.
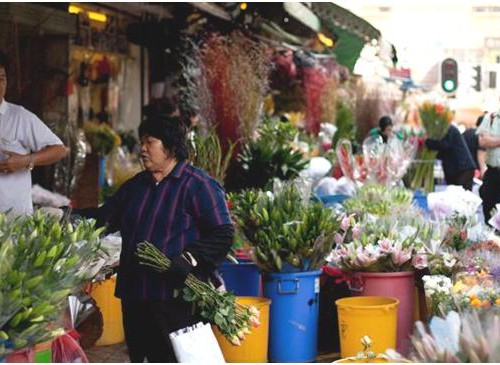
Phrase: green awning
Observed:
(351, 31)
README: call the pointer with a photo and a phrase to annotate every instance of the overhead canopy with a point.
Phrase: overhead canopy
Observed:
(351, 31)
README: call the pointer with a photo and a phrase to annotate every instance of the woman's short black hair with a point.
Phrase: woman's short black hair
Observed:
(4, 61)
(384, 122)
(169, 130)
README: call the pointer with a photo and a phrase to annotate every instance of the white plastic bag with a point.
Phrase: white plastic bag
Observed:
(196, 344)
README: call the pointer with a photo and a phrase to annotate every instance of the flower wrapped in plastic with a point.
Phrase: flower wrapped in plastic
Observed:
(436, 119)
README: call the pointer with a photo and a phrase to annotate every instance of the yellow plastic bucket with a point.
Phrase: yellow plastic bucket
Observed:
(375, 317)
(363, 360)
(254, 347)
(111, 309)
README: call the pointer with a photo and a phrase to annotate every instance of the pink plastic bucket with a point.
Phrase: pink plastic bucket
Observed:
(399, 285)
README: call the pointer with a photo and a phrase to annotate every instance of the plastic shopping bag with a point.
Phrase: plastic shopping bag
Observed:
(196, 344)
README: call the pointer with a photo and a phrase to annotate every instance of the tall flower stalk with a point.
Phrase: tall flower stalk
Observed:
(220, 308)
(435, 119)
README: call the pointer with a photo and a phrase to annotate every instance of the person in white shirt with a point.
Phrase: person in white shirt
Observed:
(25, 142)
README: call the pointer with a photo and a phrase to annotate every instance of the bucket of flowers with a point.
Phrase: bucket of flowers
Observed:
(381, 255)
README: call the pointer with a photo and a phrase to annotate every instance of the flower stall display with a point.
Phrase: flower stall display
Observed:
(289, 236)
(468, 290)
(219, 308)
(43, 261)
(380, 255)
(379, 201)
(467, 337)
(286, 231)
(380, 163)
(382, 245)
(436, 119)
(454, 200)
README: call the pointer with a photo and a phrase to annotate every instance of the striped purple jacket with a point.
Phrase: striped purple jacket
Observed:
(171, 214)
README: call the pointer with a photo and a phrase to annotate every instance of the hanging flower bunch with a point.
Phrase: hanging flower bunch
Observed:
(219, 308)
(227, 78)
(436, 119)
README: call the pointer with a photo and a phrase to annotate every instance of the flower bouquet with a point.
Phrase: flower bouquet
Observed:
(42, 262)
(219, 308)
(378, 246)
(470, 336)
(379, 200)
(436, 119)
(287, 231)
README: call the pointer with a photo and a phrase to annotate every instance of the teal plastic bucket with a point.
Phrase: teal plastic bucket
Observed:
(293, 323)
(243, 278)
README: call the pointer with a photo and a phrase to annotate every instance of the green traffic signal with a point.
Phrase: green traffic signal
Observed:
(449, 75)
(449, 85)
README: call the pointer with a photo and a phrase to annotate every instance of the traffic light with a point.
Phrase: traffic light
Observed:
(449, 75)
(477, 78)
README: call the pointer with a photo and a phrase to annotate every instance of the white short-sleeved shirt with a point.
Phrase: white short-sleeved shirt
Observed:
(22, 132)
(492, 127)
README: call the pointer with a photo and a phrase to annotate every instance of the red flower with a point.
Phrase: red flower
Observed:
(439, 108)
(229, 204)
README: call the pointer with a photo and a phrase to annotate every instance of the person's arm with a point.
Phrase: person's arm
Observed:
(481, 159)
(45, 156)
(486, 140)
(110, 213)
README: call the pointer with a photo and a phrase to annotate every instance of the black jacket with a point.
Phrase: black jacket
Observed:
(453, 152)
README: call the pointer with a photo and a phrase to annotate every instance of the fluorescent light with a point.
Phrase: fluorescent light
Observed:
(327, 41)
(98, 17)
(73, 9)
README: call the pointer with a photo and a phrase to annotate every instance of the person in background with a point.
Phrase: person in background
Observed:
(478, 154)
(182, 211)
(458, 164)
(384, 128)
(489, 139)
(25, 142)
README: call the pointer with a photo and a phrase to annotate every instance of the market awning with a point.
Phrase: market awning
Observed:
(351, 31)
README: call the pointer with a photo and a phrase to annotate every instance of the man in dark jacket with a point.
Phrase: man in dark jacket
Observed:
(472, 140)
(458, 164)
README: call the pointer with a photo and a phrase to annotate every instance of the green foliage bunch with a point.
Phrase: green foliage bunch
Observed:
(286, 232)
(42, 262)
(269, 156)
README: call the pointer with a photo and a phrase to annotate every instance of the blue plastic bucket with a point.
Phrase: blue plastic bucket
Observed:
(420, 198)
(243, 279)
(331, 199)
(293, 323)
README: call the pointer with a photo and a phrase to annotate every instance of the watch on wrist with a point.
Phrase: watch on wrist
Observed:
(31, 164)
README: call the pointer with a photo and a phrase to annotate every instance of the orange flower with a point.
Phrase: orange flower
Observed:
(439, 108)
(476, 303)
(497, 302)
(486, 303)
